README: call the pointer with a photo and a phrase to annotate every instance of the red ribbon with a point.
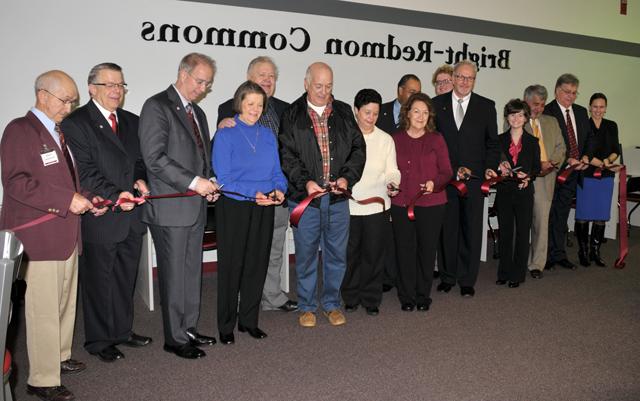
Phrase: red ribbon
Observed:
(458, 185)
(622, 218)
(487, 184)
(298, 211)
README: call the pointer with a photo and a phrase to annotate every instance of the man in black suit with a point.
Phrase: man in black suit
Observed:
(576, 132)
(389, 117)
(468, 123)
(388, 121)
(104, 141)
(263, 71)
(176, 148)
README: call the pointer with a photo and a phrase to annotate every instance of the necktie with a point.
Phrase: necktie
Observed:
(196, 130)
(459, 114)
(114, 122)
(65, 152)
(573, 144)
(538, 134)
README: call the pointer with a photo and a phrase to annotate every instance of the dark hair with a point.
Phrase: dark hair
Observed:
(516, 106)
(598, 95)
(245, 89)
(93, 74)
(567, 78)
(366, 96)
(405, 78)
(404, 111)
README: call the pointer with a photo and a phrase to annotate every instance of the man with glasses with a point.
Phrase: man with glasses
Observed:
(388, 121)
(576, 132)
(175, 144)
(104, 141)
(40, 179)
(468, 123)
(263, 71)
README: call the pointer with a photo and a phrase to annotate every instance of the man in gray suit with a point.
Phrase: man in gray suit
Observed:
(175, 145)
(552, 154)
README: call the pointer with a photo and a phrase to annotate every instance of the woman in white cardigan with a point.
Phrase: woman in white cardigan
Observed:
(369, 225)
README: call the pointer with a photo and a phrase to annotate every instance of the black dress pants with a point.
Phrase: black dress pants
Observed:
(515, 209)
(416, 244)
(245, 231)
(368, 236)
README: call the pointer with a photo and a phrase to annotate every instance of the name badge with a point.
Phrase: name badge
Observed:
(48, 158)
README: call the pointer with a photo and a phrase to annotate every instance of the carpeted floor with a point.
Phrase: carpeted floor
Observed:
(574, 335)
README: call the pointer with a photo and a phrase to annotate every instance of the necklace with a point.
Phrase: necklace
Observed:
(253, 146)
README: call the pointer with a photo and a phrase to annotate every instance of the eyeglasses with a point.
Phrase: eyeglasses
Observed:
(68, 102)
(569, 92)
(201, 82)
(463, 78)
(111, 85)
(443, 82)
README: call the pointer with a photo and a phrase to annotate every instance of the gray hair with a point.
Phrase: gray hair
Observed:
(307, 75)
(535, 90)
(191, 60)
(567, 79)
(102, 66)
(260, 60)
(465, 62)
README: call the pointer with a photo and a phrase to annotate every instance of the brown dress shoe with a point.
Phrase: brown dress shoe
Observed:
(335, 317)
(307, 319)
(56, 393)
(71, 366)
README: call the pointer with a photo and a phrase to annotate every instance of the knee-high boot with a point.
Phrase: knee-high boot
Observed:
(597, 234)
(582, 232)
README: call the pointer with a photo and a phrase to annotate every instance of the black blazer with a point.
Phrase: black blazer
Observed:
(107, 165)
(386, 121)
(225, 110)
(581, 124)
(475, 145)
(528, 158)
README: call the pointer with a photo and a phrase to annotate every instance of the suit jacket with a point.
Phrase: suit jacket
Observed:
(475, 145)
(225, 110)
(581, 124)
(386, 122)
(107, 166)
(33, 190)
(172, 157)
(528, 158)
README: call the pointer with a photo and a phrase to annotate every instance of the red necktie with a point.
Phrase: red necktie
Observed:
(573, 144)
(196, 130)
(67, 155)
(114, 122)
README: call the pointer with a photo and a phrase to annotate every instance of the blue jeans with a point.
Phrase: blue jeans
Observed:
(326, 228)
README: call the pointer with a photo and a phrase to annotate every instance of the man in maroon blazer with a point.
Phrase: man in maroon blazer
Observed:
(39, 178)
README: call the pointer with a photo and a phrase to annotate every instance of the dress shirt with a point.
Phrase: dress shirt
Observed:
(454, 102)
(50, 125)
(573, 122)
(396, 112)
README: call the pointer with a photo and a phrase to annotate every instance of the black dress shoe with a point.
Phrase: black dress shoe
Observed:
(566, 264)
(109, 354)
(289, 306)
(71, 366)
(467, 292)
(513, 284)
(56, 393)
(372, 310)
(227, 339)
(550, 266)
(386, 287)
(350, 308)
(501, 282)
(137, 341)
(423, 306)
(535, 273)
(444, 287)
(197, 339)
(436, 274)
(407, 307)
(253, 332)
(186, 351)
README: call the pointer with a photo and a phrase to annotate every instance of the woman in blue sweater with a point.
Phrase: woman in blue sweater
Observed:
(247, 166)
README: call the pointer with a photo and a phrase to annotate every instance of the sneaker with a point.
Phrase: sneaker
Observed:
(335, 317)
(307, 319)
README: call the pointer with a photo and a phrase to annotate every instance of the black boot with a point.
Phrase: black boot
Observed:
(582, 232)
(597, 234)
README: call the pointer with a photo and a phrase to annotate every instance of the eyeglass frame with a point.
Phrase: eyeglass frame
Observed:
(463, 78)
(65, 102)
(111, 85)
(443, 82)
(200, 82)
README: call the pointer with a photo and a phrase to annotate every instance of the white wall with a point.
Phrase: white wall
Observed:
(74, 35)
